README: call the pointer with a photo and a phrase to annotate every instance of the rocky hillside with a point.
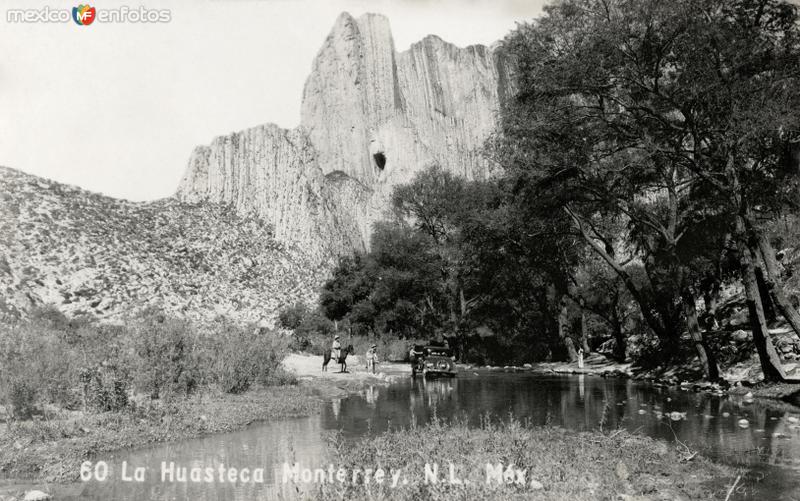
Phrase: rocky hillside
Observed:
(371, 118)
(90, 254)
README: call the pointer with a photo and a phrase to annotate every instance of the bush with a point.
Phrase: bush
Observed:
(35, 361)
(307, 325)
(165, 362)
(241, 357)
(292, 316)
(21, 398)
(104, 388)
(52, 360)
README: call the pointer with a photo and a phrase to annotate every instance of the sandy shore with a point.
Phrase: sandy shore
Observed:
(332, 383)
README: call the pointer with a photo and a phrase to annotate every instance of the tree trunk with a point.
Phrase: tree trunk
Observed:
(770, 361)
(711, 288)
(705, 354)
(652, 318)
(621, 344)
(763, 290)
(620, 348)
(562, 332)
(774, 285)
(584, 330)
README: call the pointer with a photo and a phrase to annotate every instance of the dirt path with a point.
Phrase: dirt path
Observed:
(308, 369)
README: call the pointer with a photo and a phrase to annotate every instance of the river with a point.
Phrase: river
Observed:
(762, 438)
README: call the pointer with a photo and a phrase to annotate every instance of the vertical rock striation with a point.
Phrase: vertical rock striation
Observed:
(370, 119)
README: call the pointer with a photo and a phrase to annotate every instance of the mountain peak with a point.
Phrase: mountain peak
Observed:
(369, 112)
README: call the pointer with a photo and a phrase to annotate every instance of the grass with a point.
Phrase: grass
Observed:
(52, 450)
(563, 464)
(72, 389)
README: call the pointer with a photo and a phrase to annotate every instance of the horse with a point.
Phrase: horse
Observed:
(326, 357)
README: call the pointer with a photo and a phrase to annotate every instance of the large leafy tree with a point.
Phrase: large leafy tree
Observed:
(659, 115)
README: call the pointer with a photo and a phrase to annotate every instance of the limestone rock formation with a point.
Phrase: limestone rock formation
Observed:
(272, 173)
(371, 117)
(259, 214)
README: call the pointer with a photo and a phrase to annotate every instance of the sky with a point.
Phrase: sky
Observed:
(117, 108)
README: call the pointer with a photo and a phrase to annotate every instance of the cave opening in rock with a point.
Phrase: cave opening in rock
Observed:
(380, 160)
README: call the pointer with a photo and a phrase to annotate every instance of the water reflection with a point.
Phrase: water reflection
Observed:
(263, 447)
(768, 442)
(730, 429)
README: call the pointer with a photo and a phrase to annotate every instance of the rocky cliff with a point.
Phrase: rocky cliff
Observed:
(371, 117)
(259, 214)
(88, 254)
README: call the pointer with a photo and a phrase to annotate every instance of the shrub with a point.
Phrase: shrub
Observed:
(306, 324)
(54, 360)
(234, 358)
(165, 362)
(292, 316)
(21, 398)
(34, 360)
(104, 388)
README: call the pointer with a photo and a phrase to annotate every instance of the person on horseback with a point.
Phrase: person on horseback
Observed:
(336, 348)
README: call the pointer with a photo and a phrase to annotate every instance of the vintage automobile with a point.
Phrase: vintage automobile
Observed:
(432, 361)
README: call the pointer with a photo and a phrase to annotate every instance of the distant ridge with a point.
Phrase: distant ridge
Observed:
(88, 254)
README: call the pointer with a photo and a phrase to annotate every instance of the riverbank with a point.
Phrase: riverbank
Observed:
(542, 463)
(52, 450)
(332, 383)
(743, 378)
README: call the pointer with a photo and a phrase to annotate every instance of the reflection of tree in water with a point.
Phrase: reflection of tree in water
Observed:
(579, 404)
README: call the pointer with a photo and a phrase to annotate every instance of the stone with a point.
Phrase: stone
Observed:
(36, 496)
(660, 449)
(741, 335)
(621, 471)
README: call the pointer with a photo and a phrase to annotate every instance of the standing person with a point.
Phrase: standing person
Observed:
(372, 357)
(336, 349)
(580, 358)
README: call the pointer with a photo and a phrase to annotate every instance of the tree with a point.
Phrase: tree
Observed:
(395, 288)
(589, 129)
(439, 204)
(662, 115)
